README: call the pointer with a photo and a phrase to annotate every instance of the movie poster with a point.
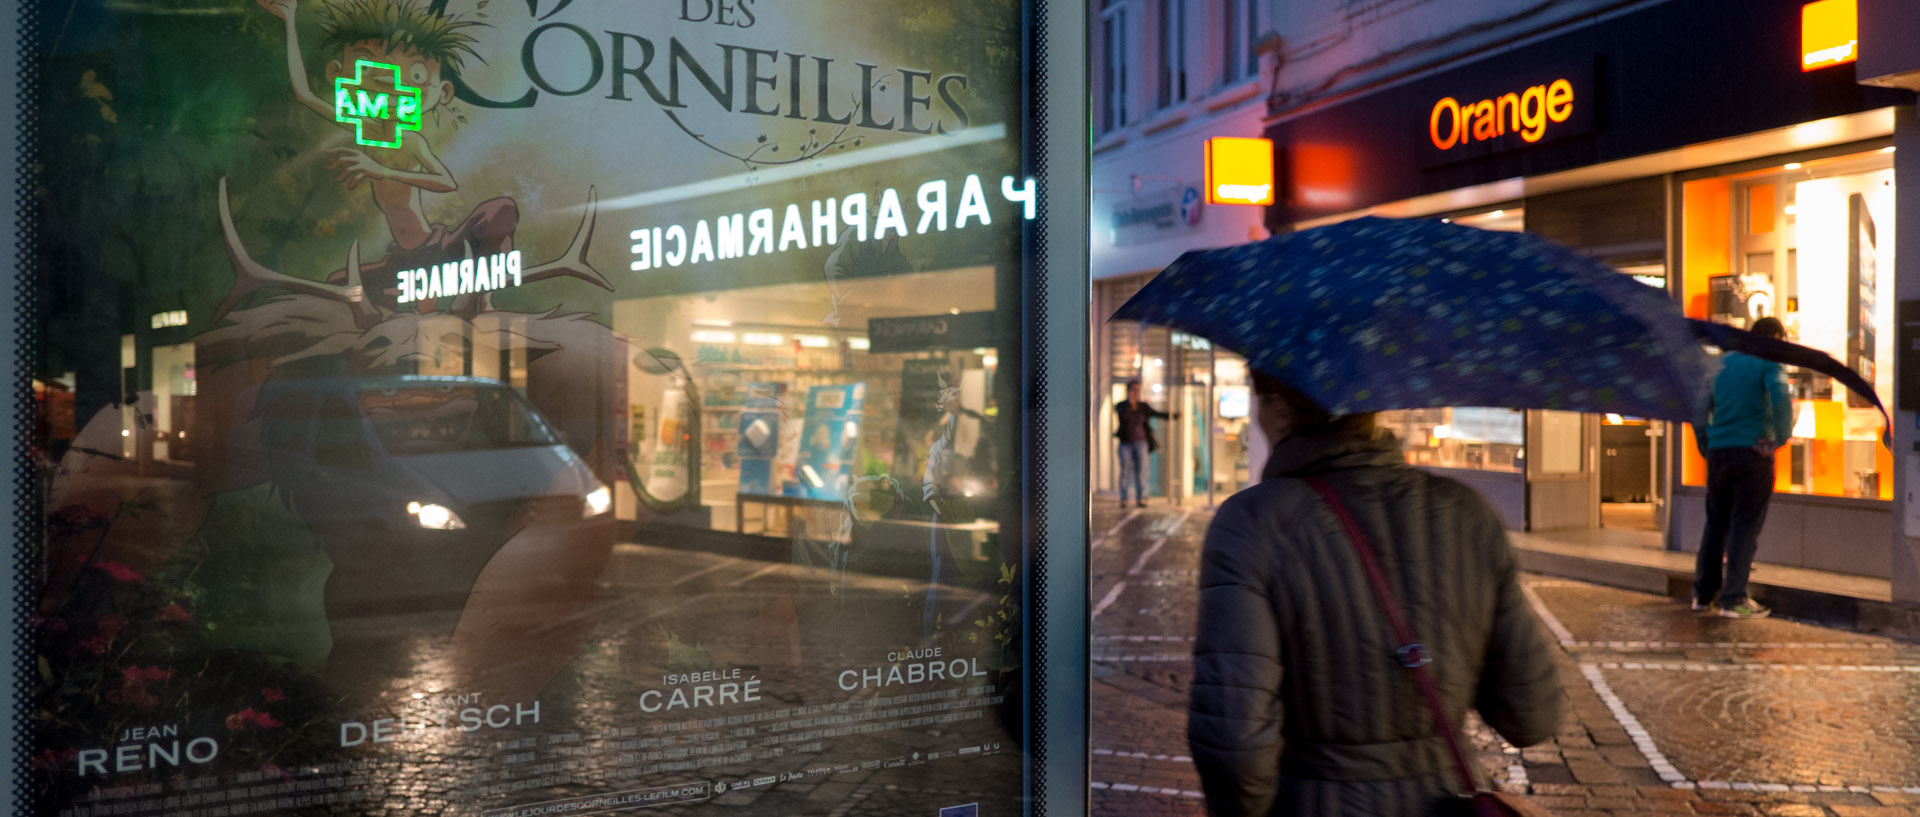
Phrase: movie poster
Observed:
(391, 400)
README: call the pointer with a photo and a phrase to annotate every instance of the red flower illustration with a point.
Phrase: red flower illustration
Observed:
(74, 518)
(135, 696)
(175, 614)
(95, 645)
(133, 689)
(251, 717)
(141, 675)
(119, 572)
(52, 759)
(273, 695)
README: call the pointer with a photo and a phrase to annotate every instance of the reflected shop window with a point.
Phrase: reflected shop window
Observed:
(1479, 439)
(452, 417)
(1810, 243)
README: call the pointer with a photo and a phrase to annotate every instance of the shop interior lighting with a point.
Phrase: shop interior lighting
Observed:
(990, 361)
(861, 344)
(710, 336)
(1615, 419)
(814, 341)
(712, 322)
(953, 310)
(1441, 432)
(1887, 149)
(1792, 209)
(761, 339)
(1803, 425)
(1497, 214)
(1159, 362)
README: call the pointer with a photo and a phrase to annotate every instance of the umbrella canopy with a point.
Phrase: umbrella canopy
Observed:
(1375, 314)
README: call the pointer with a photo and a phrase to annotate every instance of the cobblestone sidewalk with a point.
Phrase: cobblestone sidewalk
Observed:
(1669, 712)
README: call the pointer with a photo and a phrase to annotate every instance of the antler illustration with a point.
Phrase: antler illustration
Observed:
(251, 276)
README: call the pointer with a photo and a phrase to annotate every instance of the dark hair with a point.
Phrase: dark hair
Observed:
(1309, 417)
(1771, 327)
(1307, 414)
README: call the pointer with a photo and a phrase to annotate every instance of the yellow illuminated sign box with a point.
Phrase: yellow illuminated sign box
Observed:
(1239, 171)
(1829, 34)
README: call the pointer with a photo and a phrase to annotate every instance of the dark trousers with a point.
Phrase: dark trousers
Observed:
(1739, 486)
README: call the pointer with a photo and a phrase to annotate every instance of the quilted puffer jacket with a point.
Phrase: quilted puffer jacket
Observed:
(1299, 706)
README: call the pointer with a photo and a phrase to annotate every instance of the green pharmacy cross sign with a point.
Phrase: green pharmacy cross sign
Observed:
(361, 103)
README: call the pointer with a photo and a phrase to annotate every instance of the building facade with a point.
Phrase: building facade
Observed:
(1744, 157)
(1167, 76)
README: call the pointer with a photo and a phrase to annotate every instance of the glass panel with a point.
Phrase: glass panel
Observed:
(1830, 297)
(545, 406)
(1231, 41)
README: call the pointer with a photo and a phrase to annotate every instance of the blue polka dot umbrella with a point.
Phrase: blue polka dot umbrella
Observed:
(1376, 313)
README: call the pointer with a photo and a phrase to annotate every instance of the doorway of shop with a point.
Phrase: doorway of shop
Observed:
(1632, 449)
(1207, 441)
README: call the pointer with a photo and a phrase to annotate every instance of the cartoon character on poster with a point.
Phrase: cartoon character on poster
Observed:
(422, 306)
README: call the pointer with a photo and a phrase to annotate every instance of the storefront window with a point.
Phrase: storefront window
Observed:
(538, 407)
(1809, 243)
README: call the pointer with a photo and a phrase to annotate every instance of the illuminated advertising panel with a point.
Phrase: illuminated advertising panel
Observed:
(514, 408)
(1829, 34)
(1239, 170)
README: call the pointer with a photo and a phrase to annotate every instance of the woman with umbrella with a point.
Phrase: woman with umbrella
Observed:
(1352, 607)
(1296, 707)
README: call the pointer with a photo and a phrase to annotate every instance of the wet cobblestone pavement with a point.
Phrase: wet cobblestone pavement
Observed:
(1668, 712)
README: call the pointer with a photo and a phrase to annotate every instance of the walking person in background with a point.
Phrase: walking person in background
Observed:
(1300, 702)
(1747, 416)
(1133, 427)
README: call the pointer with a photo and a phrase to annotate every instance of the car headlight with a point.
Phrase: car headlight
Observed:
(598, 501)
(436, 517)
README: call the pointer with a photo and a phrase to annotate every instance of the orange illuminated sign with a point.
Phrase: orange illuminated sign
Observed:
(1239, 171)
(1526, 113)
(1829, 33)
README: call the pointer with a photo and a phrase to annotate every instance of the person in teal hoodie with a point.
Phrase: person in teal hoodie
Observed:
(1747, 416)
